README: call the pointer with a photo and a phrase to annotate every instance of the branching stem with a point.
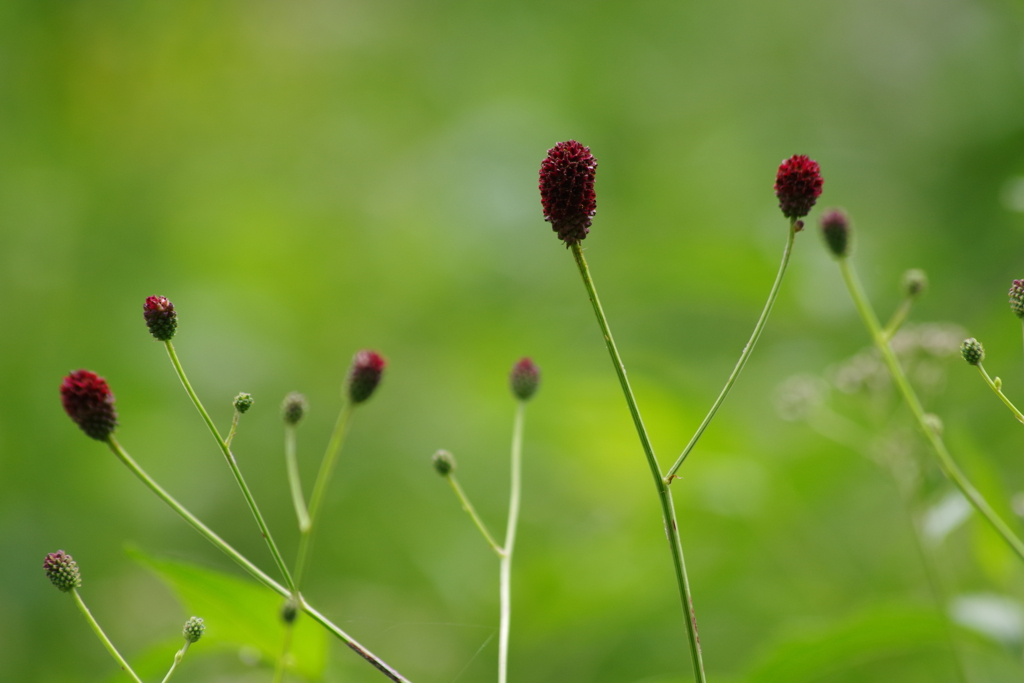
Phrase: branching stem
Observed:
(744, 356)
(945, 460)
(999, 392)
(233, 465)
(664, 495)
(248, 566)
(510, 542)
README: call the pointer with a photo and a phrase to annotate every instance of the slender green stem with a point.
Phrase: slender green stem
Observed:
(323, 476)
(664, 495)
(248, 566)
(471, 511)
(294, 481)
(510, 542)
(234, 429)
(946, 462)
(233, 465)
(899, 317)
(999, 392)
(178, 656)
(285, 653)
(744, 356)
(103, 636)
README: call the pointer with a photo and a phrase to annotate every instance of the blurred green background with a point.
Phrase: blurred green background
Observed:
(306, 179)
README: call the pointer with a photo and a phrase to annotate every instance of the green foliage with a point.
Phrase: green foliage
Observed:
(239, 614)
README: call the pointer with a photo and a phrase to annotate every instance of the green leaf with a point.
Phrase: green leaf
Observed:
(239, 613)
(869, 636)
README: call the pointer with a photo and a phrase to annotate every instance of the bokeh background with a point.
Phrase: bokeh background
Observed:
(306, 179)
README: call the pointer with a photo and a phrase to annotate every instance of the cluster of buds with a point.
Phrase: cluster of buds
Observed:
(89, 402)
(798, 185)
(193, 629)
(161, 319)
(567, 190)
(62, 570)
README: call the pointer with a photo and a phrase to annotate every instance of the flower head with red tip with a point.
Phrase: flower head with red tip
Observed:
(524, 379)
(1017, 298)
(364, 375)
(161, 319)
(567, 190)
(798, 185)
(88, 401)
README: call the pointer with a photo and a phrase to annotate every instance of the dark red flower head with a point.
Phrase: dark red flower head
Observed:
(567, 190)
(798, 185)
(62, 570)
(87, 400)
(364, 375)
(524, 379)
(160, 317)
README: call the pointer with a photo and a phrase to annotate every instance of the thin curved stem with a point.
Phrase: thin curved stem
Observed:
(294, 482)
(899, 317)
(945, 460)
(510, 542)
(248, 566)
(744, 356)
(471, 511)
(178, 656)
(103, 636)
(234, 429)
(664, 496)
(233, 465)
(320, 488)
(999, 392)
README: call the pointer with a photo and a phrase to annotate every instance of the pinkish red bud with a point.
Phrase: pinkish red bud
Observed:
(524, 379)
(364, 375)
(160, 317)
(88, 401)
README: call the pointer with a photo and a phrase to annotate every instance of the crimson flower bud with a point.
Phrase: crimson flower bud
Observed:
(798, 185)
(62, 570)
(364, 375)
(567, 190)
(89, 403)
(160, 316)
(524, 379)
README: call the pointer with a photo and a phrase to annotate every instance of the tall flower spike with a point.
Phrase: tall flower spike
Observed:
(567, 190)
(161, 319)
(364, 375)
(89, 403)
(1017, 298)
(62, 570)
(835, 228)
(524, 379)
(798, 185)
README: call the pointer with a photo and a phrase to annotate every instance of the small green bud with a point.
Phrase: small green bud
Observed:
(915, 282)
(444, 463)
(193, 629)
(998, 382)
(972, 351)
(835, 228)
(294, 408)
(289, 611)
(62, 570)
(243, 402)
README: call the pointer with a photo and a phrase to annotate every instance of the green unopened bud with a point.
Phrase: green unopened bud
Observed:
(62, 570)
(444, 463)
(289, 611)
(972, 351)
(294, 408)
(915, 282)
(193, 629)
(243, 402)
